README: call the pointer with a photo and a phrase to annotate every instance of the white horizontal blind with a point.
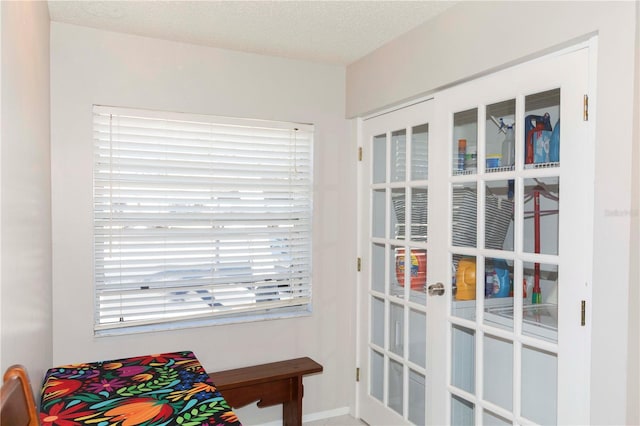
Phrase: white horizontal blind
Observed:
(199, 217)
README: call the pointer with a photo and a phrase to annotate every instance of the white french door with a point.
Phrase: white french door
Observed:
(397, 314)
(475, 237)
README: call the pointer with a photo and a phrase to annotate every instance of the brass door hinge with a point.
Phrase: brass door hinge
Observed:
(583, 313)
(359, 264)
(358, 374)
(585, 108)
(359, 153)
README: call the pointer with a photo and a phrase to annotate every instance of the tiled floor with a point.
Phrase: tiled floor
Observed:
(346, 420)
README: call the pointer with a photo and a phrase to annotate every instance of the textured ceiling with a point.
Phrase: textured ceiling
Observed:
(336, 32)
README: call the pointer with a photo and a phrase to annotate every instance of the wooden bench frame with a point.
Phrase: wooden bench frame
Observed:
(269, 384)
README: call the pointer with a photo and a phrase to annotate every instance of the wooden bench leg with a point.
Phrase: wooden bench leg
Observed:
(292, 409)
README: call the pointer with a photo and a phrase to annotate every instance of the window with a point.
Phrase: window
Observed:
(199, 219)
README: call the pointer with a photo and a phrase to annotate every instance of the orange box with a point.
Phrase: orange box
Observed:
(418, 271)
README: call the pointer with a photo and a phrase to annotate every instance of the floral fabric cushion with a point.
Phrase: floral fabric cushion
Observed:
(152, 390)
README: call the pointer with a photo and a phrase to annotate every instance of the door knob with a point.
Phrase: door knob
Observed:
(436, 289)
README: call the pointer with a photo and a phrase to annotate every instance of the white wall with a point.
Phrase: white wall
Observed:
(97, 67)
(473, 38)
(633, 381)
(25, 206)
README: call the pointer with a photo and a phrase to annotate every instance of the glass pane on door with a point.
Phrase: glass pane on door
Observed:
(378, 215)
(398, 155)
(419, 214)
(399, 273)
(464, 216)
(396, 329)
(376, 375)
(418, 333)
(398, 223)
(498, 371)
(396, 389)
(377, 321)
(465, 142)
(498, 293)
(491, 419)
(542, 129)
(420, 152)
(500, 136)
(500, 197)
(540, 308)
(410, 271)
(463, 361)
(379, 169)
(462, 412)
(417, 398)
(377, 267)
(539, 385)
(541, 215)
(464, 286)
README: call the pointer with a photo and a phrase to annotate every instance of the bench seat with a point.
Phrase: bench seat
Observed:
(269, 384)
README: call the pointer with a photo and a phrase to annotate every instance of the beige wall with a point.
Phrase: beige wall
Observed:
(474, 38)
(98, 67)
(25, 207)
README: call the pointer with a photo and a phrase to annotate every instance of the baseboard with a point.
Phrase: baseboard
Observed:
(325, 414)
(312, 417)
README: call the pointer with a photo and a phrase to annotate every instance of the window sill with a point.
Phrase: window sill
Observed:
(187, 324)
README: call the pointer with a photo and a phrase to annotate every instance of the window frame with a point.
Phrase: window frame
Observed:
(292, 301)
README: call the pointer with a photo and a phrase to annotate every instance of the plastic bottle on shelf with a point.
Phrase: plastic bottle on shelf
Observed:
(554, 148)
(508, 147)
(471, 160)
(502, 281)
(462, 151)
(466, 279)
(489, 277)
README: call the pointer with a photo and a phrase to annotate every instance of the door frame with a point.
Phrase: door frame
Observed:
(363, 197)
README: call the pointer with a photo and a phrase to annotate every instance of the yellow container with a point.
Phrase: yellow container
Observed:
(466, 279)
